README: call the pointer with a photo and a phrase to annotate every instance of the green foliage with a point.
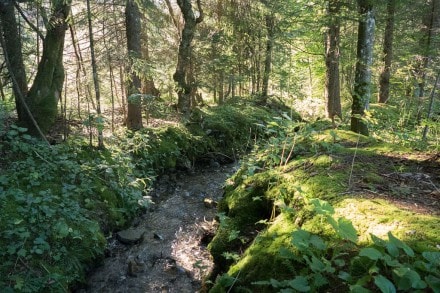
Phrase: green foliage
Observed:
(385, 266)
(55, 203)
(302, 171)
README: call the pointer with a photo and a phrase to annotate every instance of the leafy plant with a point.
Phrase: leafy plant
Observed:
(385, 266)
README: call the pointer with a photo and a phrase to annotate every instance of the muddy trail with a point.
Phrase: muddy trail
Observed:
(165, 249)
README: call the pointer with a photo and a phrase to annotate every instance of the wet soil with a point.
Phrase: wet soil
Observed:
(172, 256)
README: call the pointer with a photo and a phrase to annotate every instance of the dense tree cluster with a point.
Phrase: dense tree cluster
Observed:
(55, 52)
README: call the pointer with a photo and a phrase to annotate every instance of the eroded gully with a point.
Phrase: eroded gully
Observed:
(172, 254)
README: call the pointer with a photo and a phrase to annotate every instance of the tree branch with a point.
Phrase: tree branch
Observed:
(33, 27)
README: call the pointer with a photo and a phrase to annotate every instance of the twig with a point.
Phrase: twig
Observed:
(235, 280)
(352, 162)
(291, 151)
(33, 27)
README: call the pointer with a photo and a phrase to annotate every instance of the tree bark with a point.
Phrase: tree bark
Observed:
(384, 80)
(46, 89)
(133, 29)
(95, 78)
(181, 76)
(429, 42)
(13, 49)
(332, 36)
(270, 27)
(362, 83)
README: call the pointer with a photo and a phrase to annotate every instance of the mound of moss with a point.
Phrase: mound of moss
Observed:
(304, 214)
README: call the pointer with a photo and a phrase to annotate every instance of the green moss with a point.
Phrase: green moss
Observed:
(324, 163)
(262, 259)
(379, 217)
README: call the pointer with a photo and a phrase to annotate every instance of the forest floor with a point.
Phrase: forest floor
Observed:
(415, 187)
(172, 254)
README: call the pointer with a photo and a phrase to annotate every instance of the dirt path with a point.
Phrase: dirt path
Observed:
(172, 256)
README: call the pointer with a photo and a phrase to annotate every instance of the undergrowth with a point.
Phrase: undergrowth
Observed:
(298, 216)
(59, 202)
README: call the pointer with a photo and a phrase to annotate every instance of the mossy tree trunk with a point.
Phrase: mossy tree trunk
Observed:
(270, 27)
(181, 76)
(384, 80)
(46, 89)
(362, 82)
(13, 49)
(133, 30)
(332, 37)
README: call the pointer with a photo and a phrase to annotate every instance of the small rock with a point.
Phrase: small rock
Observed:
(130, 236)
(134, 268)
(136, 222)
(157, 236)
(209, 203)
(214, 164)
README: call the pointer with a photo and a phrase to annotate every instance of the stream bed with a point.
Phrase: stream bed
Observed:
(170, 255)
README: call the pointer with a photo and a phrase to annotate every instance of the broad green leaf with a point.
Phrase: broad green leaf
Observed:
(376, 240)
(384, 284)
(275, 283)
(392, 262)
(392, 249)
(358, 289)
(62, 229)
(344, 228)
(371, 253)
(317, 265)
(301, 239)
(318, 242)
(400, 244)
(300, 284)
(22, 252)
(408, 278)
(319, 280)
(322, 207)
(432, 256)
(433, 282)
(344, 276)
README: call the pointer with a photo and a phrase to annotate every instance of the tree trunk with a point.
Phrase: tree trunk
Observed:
(13, 49)
(133, 28)
(430, 33)
(185, 87)
(384, 81)
(332, 87)
(148, 86)
(95, 78)
(46, 89)
(270, 27)
(362, 83)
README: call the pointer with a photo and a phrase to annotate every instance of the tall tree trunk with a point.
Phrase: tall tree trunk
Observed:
(270, 27)
(362, 83)
(133, 28)
(13, 49)
(95, 78)
(46, 89)
(384, 80)
(185, 86)
(429, 44)
(431, 105)
(332, 37)
(148, 86)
